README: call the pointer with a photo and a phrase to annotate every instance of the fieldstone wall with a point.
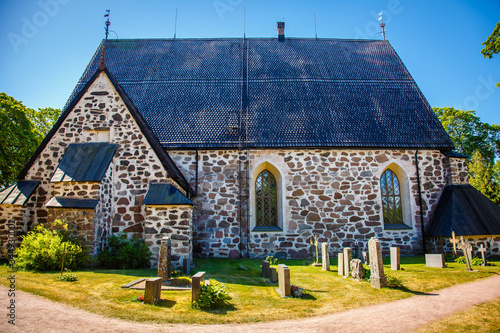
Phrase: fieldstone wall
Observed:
(456, 171)
(80, 222)
(491, 243)
(11, 227)
(333, 194)
(101, 115)
(173, 221)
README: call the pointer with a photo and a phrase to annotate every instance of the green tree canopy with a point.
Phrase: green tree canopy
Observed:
(23, 129)
(492, 44)
(485, 177)
(469, 134)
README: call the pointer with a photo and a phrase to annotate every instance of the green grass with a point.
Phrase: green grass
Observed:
(254, 299)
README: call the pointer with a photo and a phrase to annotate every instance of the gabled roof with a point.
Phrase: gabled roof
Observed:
(212, 93)
(165, 194)
(162, 155)
(18, 193)
(85, 162)
(466, 211)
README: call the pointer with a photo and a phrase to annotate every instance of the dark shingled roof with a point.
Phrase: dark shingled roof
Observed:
(196, 93)
(84, 162)
(18, 193)
(466, 211)
(165, 194)
(58, 202)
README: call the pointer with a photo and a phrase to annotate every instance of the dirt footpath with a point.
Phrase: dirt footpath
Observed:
(37, 314)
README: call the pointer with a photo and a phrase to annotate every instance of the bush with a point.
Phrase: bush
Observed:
(123, 253)
(474, 262)
(394, 281)
(67, 277)
(272, 260)
(42, 250)
(212, 296)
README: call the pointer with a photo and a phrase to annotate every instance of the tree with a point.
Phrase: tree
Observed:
(481, 142)
(23, 129)
(469, 134)
(485, 177)
(492, 45)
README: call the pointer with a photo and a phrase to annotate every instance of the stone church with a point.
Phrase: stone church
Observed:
(241, 148)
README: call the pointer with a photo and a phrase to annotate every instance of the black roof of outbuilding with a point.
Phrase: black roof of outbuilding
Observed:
(466, 211)
(165, 194)
(202, 93)
(18, 193)
(61, 202)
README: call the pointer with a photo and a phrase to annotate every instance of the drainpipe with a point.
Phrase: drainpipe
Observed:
(420, 203)
(196, 174)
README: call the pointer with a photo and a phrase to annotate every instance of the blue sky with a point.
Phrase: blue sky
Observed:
(46, 45)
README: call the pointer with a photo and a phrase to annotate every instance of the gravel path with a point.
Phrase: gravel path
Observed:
(37, 314)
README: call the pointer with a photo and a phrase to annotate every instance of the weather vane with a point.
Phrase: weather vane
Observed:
(107, 23)
(382, 24)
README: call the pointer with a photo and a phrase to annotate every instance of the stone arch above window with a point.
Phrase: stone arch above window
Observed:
(395, 198)
(266, 198)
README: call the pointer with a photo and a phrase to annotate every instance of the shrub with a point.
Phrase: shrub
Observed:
(272, 260)
(123, 253)
(68, 276)
(394, 281)
(212, 296)
(42, 250)
(474, 262)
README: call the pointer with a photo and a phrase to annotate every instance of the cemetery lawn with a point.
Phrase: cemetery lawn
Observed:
(253, 298)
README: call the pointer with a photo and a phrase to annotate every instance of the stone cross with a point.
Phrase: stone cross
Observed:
(165, 259)
(152, 292)
(284, 288)
(325, 256)
(341, 263)
(347, 261)
(483, 250)
(377, 277)
(454, 241)
(265, 268)
(395, 259)
(196, 281)
(467, 250)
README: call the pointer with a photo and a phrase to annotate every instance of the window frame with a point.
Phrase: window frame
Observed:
(404, 197)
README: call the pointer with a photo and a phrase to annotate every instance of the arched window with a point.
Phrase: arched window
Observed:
(266, 199)
(391, 198)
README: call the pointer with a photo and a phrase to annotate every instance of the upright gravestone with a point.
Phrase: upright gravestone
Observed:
(165, 259)
(467, 250)
(341, 263)
(454, 241)
(366, 258)
(284, 288)
(265, 268)
(434, 260)
(377, 277)
(317, 264)
(347, 261)
(395, 259)
(273, 275)
(325, 256)
(357, 270)
(197, 281)
(482, 249)
(152, 292)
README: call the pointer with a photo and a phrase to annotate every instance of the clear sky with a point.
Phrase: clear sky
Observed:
(46, 45)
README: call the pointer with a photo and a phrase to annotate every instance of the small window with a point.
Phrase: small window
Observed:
(266, 199)
(391, 198)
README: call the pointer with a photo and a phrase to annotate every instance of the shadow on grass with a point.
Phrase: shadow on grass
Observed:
(165, 303)
(419, 293)
(221, 310)
(308, 296)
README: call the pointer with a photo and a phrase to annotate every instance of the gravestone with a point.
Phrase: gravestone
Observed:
(311, 255)
(483, 250)
(317, 264)
(434, 260)
(196, 281)
(152, 292)
(454, 241)
(377, 277)
(165, 259)
(347, 261)
(467, 250)
(366, 258)
(284, 288)
(186, 266)
(357, 270)
(325, 256)
(395, 259)
(341, 263)
(265, 268)
(273, 275)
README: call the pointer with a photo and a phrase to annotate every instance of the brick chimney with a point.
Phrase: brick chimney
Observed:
(281, 31)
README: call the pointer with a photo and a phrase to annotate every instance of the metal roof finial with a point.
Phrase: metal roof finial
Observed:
(382, 24)
(107, 23)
